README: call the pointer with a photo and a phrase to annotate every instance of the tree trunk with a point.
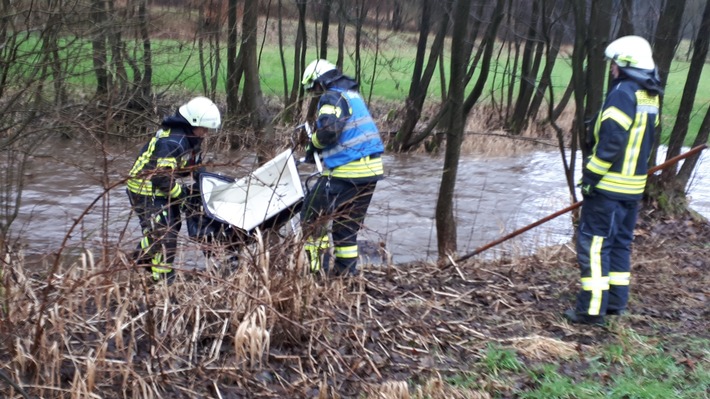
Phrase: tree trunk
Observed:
(626, 26)
(680, 129)
(665, 43)
(578, 76)
(233, 66)
(411, 111)
(597, 71)
(146, 83)
(528, 73)
(325, 27)
(98, 46)
(299, 61)
(341, 34)
(553, 32)
(359, 23)
(445, 221)
(252, 103)
(489, 43)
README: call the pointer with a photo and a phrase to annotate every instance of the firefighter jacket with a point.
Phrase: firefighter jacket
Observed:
(168, 155)
(623, 137)
(346, 134)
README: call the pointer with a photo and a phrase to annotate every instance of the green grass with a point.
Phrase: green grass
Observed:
(627, 367)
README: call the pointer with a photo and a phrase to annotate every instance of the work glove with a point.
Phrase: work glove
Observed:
(310, 151)
(587, 190)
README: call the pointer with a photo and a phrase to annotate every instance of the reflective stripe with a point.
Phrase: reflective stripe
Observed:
(363, 167)
(142, 187)
(317, 243)
(314, 248)
(143, 158)
(176, 191)
(592, 284)
(359, 122)
(596, 283)
(617, 116)
(347, 252)
(619, 183)
(168, 163)
(598, 166)
(161, 268)
(329, 109)
(633, 146)
(619, 278)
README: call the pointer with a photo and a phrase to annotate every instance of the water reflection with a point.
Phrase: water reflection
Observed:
(494, 196)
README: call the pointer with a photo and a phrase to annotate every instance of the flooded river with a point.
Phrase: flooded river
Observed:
(495, 196)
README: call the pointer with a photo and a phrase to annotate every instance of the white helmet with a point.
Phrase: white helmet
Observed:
(202, 112)
(631, 51)
(314, 71)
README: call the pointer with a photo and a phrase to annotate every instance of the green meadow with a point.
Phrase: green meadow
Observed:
(385, 74)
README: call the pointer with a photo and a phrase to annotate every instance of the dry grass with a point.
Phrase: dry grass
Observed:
(271, 330)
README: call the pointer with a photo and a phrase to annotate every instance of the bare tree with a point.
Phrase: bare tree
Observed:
(671, 184)
(445, 221)
(98, 43)
(421, 77)
(252, 102)
(234, 65)
(665, 43)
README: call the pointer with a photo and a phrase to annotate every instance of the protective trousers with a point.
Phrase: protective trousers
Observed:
(160, 223)
(606, 230)
(345, 204)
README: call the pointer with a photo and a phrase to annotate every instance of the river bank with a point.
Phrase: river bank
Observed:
(481, 329)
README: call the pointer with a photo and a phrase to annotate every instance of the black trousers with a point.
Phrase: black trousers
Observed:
(160, 223)
(606, 230)
(343, 203)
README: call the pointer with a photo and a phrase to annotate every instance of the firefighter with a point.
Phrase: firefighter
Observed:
(349, 143)
(614, 180)
(153, 187)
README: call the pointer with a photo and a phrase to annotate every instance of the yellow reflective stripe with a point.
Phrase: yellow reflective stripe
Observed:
(619, 278)
(143, 158)
(347, 252)
(169, 163)
(633, 146)
(623, 184)
(329, 109)
(317, 243)
(617, 116)
(650, 103)
(598, 166)
(176, 191)
(363, 167)
(316, 143)
(595, 264)
(142, 187)
(314, 247)
(593, 284)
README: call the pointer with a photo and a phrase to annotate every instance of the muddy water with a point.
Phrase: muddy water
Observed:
(495, 196)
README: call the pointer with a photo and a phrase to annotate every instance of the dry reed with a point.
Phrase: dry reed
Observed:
(269, 329)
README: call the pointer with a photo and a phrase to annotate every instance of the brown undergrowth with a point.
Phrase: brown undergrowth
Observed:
(270, 330)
